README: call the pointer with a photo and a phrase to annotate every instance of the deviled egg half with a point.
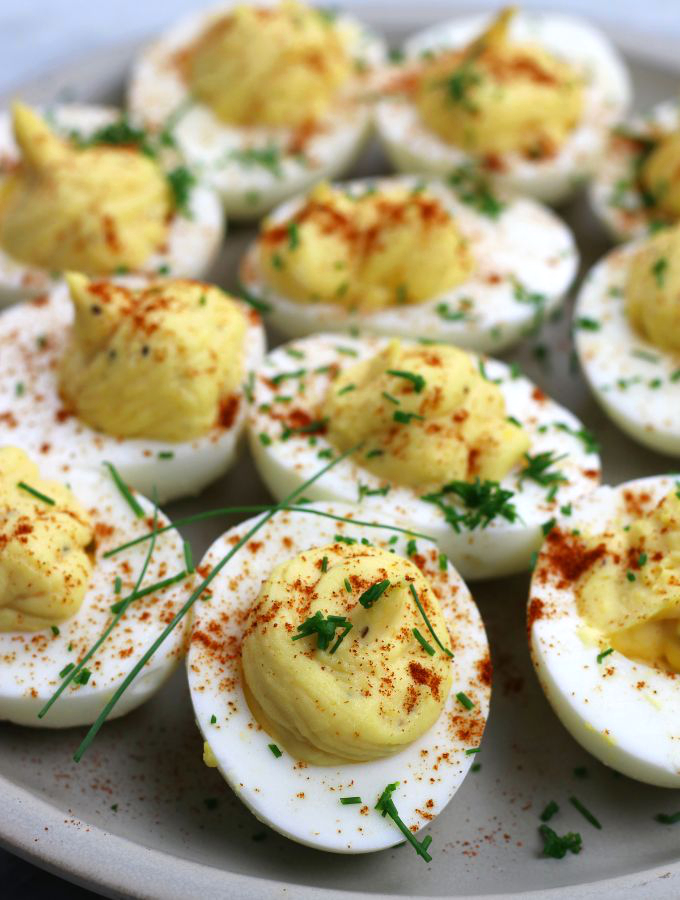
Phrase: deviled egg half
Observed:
(338, 685)
(264, 98)
(81, 189)
(637, 184)
(405, 256)
(603, 626)
(525, 99)
(58, 587)
(627, 335)
(463, 447)
(148, 375)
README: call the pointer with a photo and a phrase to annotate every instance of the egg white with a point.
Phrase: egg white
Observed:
(526, 245)
(412, 147)
(623, 712)
(158, 95)
(302, 801)
(33, 337)
(502, 548)
(193, 241)
(30, 663)
(614, 193)
(636, 383)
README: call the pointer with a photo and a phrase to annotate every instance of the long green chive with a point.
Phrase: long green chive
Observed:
(35, 493)
(414, 592)
(428, 648)
(275, 750)
(416, 380)
(585, 813)
(385, 805)
(148, 654)
(372, 594)
(350, 801)
(464, 700)
(125, 490)
(69, 674)
(236, 510)
(188, 558)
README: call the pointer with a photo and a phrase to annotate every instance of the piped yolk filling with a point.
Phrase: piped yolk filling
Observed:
(652, 291)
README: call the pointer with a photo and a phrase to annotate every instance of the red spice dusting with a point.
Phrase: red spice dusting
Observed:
(569, 557)
(422, 675)
(538, 395)
(485, 670)
(536, 611)
(228, 411)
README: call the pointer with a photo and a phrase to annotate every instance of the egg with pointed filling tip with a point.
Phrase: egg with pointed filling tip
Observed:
(146, 374)
(636, 187)
(81, 189)
(463, 102)
(58, 587)
(603, 626)
(341, 259)
(264, 98)
(627, 337)
(298, 720)
(464, 447)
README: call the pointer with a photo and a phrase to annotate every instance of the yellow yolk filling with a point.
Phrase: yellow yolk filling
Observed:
(95, 209)
(378, 691)
(632, 596)
(652, 292)
(162, 362)
(359, 252)
(660, 175)
(273, 66)
(44, 566)
(444, 423)
(496, 96)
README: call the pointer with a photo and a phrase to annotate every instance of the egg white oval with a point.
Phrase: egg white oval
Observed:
(157, 94)
(412, 147)
(302, 801)
(636, 383)
(193, 240)
(33, 337)
(526, 245)
(30, 663)
(620, 209)
(502, 547)
(623, 712)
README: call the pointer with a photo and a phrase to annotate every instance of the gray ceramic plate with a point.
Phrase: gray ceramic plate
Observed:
(132, 818)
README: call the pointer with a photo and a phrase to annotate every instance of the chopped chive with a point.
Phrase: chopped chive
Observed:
(411, 547)
(188, 558)
(548, 526)
(373, 453)
(347, 351)
(265, 440)
(472, 751)
(55, 630)
(166, 454)
(464, 700)
(414, 592)
(550, 810)
(117, 585)
(125, 491)
(443, 562)
(67, 668)
(348, 586)
(642, 559)
(585, 812)
(213, 719)
(275, 750)
(82, 677)
(350, 801)
(585, 324)
(347, 388)
(293, 353)
(601, 656)
(666, 819)
(372, 594)
(475, 767)
(416, 380)
(386, 806)
(405, 418)
(557, 847)
(428, 648)
(630, 575)
(391, 398)
(38, 494)
(19, 389)
(324, 564)
(276, 380)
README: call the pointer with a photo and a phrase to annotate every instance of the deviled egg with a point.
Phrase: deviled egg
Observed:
(525, 99)
(404, 256)
(264, 98)
(465, 448)
(58, 587)
(148, 375)
(339, 686)
(627, 335)
(637, 184)
(81, 189)
(603, 626)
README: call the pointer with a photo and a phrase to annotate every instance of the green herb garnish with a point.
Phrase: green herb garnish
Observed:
(421, 609)
(125, 491)
(585, 812)
(483, 500)
(350, 801)
(428, 648)
(324, 628)
(557, 847)
(372, 594)
(549, 811)
(386, 807)
(275, 750)
(181, 181)
(538, 469)
(35, 493)
(416, 380)
(605, 653)
(405, 418)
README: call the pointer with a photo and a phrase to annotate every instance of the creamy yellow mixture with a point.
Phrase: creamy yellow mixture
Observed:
(45, 568)
(95, 209)
(652, 292)
(381, 249)
(498, 96)
(660, 175)
(379, 690)
(427, 417)
(632, 595)
(160, 362)
(274, 66)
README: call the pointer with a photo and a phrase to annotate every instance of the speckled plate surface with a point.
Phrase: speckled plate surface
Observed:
(142, 816)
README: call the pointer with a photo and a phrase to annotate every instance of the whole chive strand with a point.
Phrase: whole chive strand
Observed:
(35, 493)
(148, 654)
(130, 499)
(122, 605)
(414, 592)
